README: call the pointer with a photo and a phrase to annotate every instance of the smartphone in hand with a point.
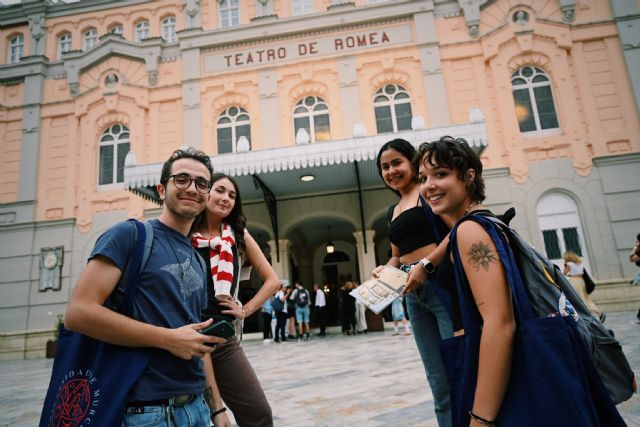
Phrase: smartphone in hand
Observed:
(222, 329)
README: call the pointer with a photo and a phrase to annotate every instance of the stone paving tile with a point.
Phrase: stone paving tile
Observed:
(371, 380)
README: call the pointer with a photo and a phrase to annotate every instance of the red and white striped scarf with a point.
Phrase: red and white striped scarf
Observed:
(220, 254)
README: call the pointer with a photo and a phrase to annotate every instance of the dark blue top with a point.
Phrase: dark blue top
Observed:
(171, 293)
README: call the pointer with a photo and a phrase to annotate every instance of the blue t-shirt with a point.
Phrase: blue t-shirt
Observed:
(171, 293)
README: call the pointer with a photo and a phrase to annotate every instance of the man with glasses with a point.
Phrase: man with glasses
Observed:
(169, 299)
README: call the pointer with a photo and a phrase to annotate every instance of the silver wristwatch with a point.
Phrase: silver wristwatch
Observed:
(427, 265)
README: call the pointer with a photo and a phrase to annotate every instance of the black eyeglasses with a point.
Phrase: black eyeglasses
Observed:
(182, 181)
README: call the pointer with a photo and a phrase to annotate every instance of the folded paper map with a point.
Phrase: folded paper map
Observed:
(379, 293)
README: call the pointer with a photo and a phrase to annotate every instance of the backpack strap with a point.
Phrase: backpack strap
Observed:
(121, 298)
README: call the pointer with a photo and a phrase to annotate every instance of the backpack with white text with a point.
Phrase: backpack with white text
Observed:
(302, 298)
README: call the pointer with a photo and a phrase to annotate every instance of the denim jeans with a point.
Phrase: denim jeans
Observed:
(431, 323)
(193, 414)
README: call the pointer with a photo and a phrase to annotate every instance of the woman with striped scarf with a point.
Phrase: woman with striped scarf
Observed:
(220, 237)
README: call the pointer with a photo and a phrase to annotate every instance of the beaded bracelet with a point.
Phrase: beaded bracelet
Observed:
(482, 420)
(217, 412)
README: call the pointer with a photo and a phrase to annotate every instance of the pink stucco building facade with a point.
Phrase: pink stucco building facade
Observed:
(95, 95)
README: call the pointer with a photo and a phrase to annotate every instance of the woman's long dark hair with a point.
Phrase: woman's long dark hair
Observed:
(235, 219)
(403, 147)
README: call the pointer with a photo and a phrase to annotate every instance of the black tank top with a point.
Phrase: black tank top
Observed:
(213, 307)
(411, 230)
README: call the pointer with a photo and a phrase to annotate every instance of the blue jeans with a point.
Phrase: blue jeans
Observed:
(431, 323)
(193, 414)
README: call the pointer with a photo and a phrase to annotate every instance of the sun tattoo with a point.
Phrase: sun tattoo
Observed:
(481, 255)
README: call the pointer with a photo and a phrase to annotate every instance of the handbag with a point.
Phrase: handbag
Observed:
(552, 380)
(91, 379)
(589, 284)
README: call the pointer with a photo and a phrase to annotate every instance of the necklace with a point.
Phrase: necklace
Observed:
(471, 205)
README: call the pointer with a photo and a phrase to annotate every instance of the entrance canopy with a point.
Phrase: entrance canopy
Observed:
(276, 173)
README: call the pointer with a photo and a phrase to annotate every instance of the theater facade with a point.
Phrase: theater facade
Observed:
(293, 99)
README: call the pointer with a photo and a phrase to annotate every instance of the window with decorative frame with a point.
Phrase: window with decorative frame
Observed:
(533, 97)
(16, 49)
(142, 31)
(169, 29)
(301, 7)
(233, 123)
(392, 107)
(312, 114)
(64, 44)
(89, 39)
(229, 13)
(116, 29)
(114, 146)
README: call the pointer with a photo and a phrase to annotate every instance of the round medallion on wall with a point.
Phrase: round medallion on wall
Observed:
(111, 80)
(50, 260)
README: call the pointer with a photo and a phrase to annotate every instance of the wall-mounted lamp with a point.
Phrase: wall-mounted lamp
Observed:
(330, 246)
(307, 178)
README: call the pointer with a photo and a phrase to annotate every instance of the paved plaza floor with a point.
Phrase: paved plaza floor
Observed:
(365, 380)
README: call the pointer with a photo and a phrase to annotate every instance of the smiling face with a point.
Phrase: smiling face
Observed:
(396, 170)
(443, 190)
(222, 198)
(188, 203)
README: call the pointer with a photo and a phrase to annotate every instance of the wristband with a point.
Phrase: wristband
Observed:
(218, 412)
(481, 420)
(244, 313)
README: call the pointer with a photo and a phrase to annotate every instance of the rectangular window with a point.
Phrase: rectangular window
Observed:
(321, 125)
(243, 130)
(551, 245)
(384, 122)
(546, 109)
(572, 240)
(106, 165)
(302, 122)
(301, 7)
(524, 111)
(123, 150)
(229, 13)
(225, 144)
(403, 116)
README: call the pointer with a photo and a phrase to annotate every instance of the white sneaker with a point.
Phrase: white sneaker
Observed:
(266, 341)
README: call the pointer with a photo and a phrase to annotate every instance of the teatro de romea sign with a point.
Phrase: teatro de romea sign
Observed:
(307, 48)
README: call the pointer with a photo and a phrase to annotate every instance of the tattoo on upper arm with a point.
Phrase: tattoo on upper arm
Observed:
(481, 255)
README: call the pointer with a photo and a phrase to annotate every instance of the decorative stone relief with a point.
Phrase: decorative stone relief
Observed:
(153, 78)
(51, 268)
(521, 17)
(568, 14)
(74, 89)
(471, 9)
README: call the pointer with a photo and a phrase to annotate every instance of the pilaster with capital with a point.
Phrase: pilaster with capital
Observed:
(281, 264)
(366, 260)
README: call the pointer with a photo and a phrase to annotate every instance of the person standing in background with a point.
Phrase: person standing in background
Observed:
(320, 305)
(634, 257)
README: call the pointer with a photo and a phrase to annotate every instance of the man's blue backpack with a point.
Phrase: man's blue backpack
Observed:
(277, 304)
(91, 379)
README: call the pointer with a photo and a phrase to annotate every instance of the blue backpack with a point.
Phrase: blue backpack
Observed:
(91, 379)
(277, 304)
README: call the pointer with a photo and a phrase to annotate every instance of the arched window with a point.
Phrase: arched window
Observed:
(142, 31)
(534, 101)
(312, 115)
(89, 39)
(169, 29)
(16, 49)
(64, 44)
(301, 7)
(560, 226)
(116, 29)
(114, 146)
(392, 105)
(232, 124)
(229, 13)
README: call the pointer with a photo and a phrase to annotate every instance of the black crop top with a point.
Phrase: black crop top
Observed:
(213, 307)
(411, 230)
